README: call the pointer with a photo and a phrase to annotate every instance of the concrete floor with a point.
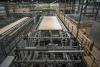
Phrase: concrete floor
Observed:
(95, 34)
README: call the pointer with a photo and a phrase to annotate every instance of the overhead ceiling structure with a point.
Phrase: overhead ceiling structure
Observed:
(41, 1)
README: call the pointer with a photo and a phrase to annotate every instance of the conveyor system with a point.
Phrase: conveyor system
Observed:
(11, 34)
(7, 62)
(50, 45)
(9, 28)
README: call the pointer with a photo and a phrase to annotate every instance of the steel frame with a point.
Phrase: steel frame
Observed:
(47, 47)
(10, 38)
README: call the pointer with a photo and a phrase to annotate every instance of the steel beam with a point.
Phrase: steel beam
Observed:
(63, 49)
(48, 61)
(47, 37)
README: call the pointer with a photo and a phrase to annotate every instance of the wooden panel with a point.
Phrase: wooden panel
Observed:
(50, 23)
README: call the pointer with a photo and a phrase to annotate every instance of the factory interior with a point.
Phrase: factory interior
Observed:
(49, 33)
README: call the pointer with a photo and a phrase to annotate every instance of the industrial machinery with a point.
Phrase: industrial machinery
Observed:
(50, 34)
(50, 44)
(11, 34)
